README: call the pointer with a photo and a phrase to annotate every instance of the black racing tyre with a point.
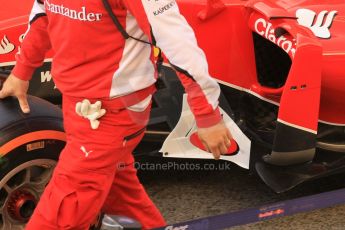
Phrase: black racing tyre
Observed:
(29, 148)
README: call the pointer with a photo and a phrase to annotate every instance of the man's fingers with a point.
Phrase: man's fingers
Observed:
(227, 141)
(206, 146)
(228, 134)
(223, 148)
(23, 103)
(4, 94)
(215, 151)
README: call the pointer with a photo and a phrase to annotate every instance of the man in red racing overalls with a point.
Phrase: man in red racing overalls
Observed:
(107, 83)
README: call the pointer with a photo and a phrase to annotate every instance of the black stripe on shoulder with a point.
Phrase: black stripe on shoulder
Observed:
(185, 72)
(40, 1)
(36, 17)
(154, 42)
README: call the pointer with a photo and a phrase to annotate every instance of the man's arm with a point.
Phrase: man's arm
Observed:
(35, 44)
(30, 56)
(177, 40)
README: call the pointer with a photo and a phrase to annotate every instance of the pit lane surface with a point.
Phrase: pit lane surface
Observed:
(183, 194)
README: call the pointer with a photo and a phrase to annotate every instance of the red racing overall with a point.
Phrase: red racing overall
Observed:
(93, 61)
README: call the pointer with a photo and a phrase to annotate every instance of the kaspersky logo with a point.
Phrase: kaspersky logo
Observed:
(319, 24)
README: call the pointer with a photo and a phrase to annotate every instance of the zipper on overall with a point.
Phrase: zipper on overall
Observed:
(132, 136)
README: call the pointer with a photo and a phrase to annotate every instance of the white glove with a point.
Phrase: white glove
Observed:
(90, 111)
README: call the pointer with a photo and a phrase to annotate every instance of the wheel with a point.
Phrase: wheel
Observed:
(29, 149)
(20, 190)
(23, 177)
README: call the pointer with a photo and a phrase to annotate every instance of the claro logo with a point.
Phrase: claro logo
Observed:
(318, 24)
(267, 30)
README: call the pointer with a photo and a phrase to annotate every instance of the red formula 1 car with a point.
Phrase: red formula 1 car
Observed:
(280, 65)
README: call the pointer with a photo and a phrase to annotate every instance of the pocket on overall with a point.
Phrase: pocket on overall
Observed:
(59, 202)
(71, 203)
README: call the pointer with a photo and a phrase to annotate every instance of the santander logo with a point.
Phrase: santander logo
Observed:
(318, 24)
(80, 14)
(267, 30)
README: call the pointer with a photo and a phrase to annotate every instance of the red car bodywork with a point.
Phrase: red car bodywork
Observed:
(224, 30)
(226, 38)
(310, 93)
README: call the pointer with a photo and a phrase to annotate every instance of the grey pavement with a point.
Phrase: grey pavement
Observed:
(183, 194)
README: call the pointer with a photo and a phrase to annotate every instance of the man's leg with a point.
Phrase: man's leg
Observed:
(72, 200)
(127, 197)
(86, 168)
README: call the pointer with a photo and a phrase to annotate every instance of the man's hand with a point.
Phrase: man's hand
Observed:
(216, 139)
(18, 88)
